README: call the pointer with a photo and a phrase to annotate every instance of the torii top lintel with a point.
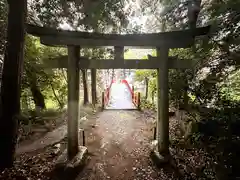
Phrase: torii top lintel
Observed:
(173, 39)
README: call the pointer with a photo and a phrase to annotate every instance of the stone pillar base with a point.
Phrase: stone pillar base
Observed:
(158, 158)
(68, 169)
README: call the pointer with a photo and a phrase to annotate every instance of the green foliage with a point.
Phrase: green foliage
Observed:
(148, 76)
(153, 85)
(230, 89)
(140, 75)
(50, 83)
(214, 79)
(218, 132)
(217, 53)
(147, 105)
(176, 77)
(87, 15)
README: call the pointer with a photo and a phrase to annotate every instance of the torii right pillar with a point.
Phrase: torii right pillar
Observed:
(162, 149)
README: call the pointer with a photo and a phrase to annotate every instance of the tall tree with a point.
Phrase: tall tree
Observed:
(144, 75)
(3, 28)
(94, 86)
(146, 80)
(124, 73)
(36, 81)
(85, 86)
(113, 75)
(38, 97)
(11, 80)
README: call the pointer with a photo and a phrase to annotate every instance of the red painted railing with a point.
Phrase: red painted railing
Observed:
(130, 89)
(106, 95)
(136, 99)
(108, 91)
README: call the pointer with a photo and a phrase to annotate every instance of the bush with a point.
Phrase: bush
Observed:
(145, 104)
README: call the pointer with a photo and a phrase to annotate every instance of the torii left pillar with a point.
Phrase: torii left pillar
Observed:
(73, 100)
(74, 155)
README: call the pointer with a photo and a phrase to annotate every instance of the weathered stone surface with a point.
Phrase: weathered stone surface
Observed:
(79, 159)
(158, 158)
(65, 168)
(62, 160)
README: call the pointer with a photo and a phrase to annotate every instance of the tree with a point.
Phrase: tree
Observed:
(153, 88)
(85, 86)
(3, 28)
(84, 15)
(39, 83)
(91, 54)
(230, 87)
(32, 71)
(144, 75)
(113, 75)
(94, 86)
(11, 79)
(221, 51)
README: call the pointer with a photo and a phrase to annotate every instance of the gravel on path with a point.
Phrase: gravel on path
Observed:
(119, 147)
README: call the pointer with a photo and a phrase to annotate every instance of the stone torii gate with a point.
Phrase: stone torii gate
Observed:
(73, 40)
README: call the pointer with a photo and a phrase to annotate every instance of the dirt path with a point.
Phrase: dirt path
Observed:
(118, 144)
(119, 147)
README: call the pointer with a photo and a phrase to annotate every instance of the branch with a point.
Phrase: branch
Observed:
(63, 74)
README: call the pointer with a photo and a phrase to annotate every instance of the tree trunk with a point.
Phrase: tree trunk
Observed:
(146, 84)
(56, 97)
(124, 73)
(38, 97)
(108, 77)
(185, 92)
(85, 87)
(185, 95)
(64, 75)
(94, 88)
(113, 74)
(153, 93)
(11, 81)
